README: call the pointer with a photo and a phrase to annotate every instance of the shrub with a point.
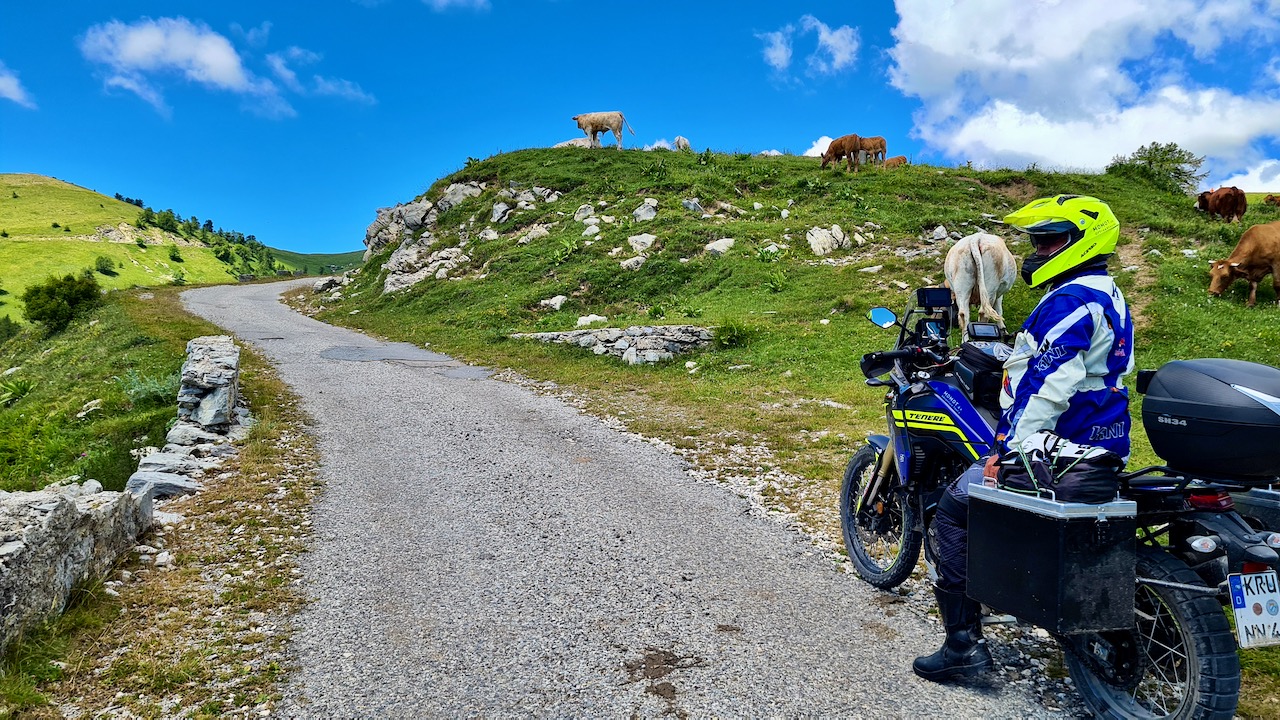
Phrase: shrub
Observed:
(56, 301)
(776, 281)
(8, 328)
(104, 265)
(1165, 166)
(140, 243)
(175, 254)
(732, 334)
(179, 277)
(150, 391)
(4, 233)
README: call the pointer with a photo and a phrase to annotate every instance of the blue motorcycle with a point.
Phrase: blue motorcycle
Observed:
(1136, 591)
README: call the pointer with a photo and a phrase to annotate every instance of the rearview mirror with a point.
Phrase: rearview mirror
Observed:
(882, 317)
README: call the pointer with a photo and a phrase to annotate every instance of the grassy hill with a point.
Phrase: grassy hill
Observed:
(51, 227)
(781, 403)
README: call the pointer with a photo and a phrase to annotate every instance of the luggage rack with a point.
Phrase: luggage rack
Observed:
(1175, 480)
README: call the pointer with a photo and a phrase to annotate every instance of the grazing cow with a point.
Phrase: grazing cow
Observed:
(845, 146)
(597, 122)
(1271, 200)
(682, 143)
(1228, 203)
(895, 161)
(875, 147)
(1256, 256)
(980, 270)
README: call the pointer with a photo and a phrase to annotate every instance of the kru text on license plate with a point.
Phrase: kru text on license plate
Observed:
(1255, 598)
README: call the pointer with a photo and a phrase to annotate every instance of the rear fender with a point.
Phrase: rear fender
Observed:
(1240, 541)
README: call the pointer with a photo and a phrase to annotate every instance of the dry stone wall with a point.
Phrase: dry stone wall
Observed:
(73, 532)
(636, 345)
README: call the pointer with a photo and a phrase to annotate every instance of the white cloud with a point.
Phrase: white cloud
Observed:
(279, 64)
(777, 48)
(770, 153)
(446, 4)
(135, 54)
(837, 48)
(819, 147)
(345, 89)
(11, 88)
(255, 37)
(994, 89)
(660, 144)
(1264, 177)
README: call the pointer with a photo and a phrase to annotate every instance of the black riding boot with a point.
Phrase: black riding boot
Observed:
(964, 653)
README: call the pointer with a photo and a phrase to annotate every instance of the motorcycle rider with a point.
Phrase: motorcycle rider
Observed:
(1062, 379)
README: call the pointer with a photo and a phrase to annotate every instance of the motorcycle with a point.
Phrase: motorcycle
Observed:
(1191, 558)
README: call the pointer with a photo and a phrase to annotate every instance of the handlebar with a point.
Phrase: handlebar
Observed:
(878, 363)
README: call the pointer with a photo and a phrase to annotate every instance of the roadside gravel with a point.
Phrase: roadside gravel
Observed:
(483, 550)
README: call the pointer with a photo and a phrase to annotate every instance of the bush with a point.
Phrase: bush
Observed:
(104, 265)
(175, 254)
(732, 334)
(179, 277)
(8, 328)
(56, 301)
(140, 242)
(1165, 166)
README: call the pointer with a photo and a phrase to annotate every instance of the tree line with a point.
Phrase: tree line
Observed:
(244, 253)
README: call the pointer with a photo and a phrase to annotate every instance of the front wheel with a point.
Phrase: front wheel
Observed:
(1179, 661)
(879, 532)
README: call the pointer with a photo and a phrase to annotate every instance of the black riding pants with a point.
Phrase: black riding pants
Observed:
(951, 530)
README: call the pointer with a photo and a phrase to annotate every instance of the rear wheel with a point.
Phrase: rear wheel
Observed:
(1179, 661)
(878, 531)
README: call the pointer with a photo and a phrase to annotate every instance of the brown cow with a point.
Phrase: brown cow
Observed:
(1271, 200)
(1256, 256)
(1228, 203)
(845, 146)
(895, 161)
(874, 147)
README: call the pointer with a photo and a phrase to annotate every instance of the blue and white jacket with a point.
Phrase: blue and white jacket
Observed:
(1065, 372)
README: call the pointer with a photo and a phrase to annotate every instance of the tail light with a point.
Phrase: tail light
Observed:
(1214, 500)
(1254, 567)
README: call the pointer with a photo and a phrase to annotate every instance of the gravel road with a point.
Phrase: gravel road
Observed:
(484, 551)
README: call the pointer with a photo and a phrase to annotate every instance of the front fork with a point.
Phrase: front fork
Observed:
(883, 471)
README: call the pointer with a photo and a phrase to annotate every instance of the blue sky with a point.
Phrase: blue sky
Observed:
(294, 122)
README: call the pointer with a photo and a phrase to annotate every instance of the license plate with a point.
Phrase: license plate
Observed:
(1255, 598)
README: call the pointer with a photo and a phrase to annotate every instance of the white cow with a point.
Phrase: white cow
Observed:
(682, 143)
(980, 270)
(593, 124)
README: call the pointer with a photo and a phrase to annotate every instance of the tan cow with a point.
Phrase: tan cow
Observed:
(682, 143)
(845, 146)
(874, 147)
(1256, 256)
(895, 161)
(597, 122)
(1271, 200)
(980, 270)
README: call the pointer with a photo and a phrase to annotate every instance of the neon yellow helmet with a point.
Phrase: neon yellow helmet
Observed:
(1086, 223)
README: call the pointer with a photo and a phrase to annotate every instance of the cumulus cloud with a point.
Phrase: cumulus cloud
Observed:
(819, 147)
(770, 153)
(136, 55)
(777, 48)
(660, 144)
(11, 88)
(993, 90)
(837, 48)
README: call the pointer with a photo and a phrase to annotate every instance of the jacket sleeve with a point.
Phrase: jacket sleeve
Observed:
(1065, 328)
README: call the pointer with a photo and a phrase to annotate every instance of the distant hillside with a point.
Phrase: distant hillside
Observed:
(51, 227)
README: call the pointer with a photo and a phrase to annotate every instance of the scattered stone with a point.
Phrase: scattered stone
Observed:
(633, 263)
(537, 232)
(488, 234)
(648, 210)
(939, 233)
(641, 242)
(871, 269)
(555, 303)
(501, 211)
(720, 247)
(583, 212)
(692, 205)
(588, 319)
(591, 231)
